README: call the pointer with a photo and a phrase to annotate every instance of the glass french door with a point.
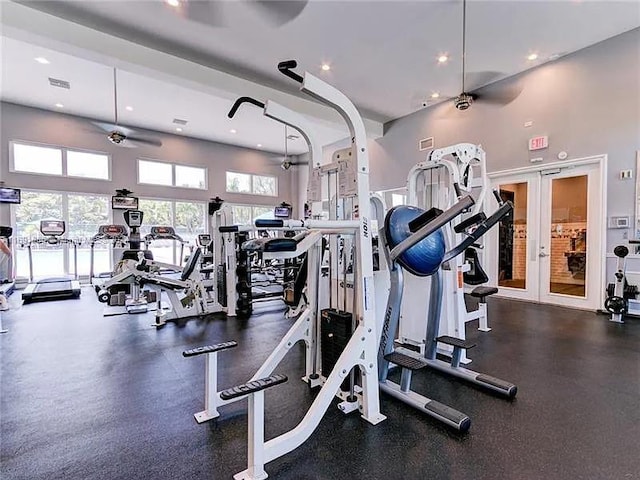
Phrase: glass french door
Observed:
(550, 248)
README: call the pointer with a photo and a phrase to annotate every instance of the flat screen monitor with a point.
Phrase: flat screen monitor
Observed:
(9, 195)
(282, 212)
(124, 203)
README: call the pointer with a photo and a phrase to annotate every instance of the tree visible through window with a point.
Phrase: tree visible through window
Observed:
(254, 184)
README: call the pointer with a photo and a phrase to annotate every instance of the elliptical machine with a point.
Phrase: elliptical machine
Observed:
(129, 294)
(620, 294)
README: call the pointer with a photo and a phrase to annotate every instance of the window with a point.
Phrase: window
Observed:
(155, 173)
(33, 159)
(59, 161)
(82, 215)
(265, 185)
(171, 175)
(87, 165)
(247, 214)
(85, 213)
(190, 177)
(253, 184)
(238, 182)
(188, 218)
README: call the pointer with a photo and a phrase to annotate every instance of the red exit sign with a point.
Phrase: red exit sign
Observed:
(538, 143)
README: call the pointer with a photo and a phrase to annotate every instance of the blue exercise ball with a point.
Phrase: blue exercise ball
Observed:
(425, 257)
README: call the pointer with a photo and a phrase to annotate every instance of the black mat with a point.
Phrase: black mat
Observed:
(85, 397)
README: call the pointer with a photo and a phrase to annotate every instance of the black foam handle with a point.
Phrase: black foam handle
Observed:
(470, 222)
(242, 100)
(228, 229)
(456, 187)
(252, 387)
(420, 221)
(505, 209)
(285, 68)
(269, 223)
(498, 197)
(209, 349)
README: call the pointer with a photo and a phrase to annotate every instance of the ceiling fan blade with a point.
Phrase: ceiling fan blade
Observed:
(106, 127)
(475, 80)
(204, 11)
(145, 140)
(125, 144)
(110, 127)
(279, 12)
(502, 96)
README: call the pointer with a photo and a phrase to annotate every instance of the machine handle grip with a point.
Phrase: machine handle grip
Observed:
(242, 100)
(285, 68)
(456, 187)
(434, 225)
(505, 209)
(498, 197)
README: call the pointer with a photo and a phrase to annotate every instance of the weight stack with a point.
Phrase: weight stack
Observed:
(244, 306)
(336, 328)
(221, 284)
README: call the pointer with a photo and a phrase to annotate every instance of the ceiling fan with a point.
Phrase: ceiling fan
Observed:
(119, 135)
(286, 162)
(221, 14)
(475, 80)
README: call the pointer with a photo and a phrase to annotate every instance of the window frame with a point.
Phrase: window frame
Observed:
(63, 150)
(251, 206)
(173, 174)
(173, 202)
(66, 248)
(252, 192)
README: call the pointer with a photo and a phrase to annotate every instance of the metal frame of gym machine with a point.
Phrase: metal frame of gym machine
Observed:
(458, 161)
(408, 359)
(361, 349)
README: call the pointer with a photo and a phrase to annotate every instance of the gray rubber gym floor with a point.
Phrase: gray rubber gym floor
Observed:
(87, 397)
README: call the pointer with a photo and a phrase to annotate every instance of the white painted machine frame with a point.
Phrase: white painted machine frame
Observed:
(456, 159)
(361, 350)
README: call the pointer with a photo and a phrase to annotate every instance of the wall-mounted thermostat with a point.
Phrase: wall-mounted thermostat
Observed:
(619, 222)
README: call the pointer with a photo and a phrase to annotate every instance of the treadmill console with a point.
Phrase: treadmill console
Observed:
(112, 231)
(163, 232)
(52, 228)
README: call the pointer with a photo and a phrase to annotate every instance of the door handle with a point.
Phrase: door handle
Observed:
(542, 254)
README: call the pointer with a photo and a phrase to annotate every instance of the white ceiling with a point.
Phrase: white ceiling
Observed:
(155, 102)
(382, 54)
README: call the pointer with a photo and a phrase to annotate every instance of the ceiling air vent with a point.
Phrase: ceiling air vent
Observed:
(179, 121)
(425, 144)
(55, 82)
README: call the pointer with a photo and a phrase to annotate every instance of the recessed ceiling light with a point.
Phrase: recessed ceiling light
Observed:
(326, 67)
(443, 57)
(233, 130)
(178, 129)
(174, 3)
(59, 105)
(259, 145)
(435, 95)
(532, 56)
(129, 108)
(42, 60)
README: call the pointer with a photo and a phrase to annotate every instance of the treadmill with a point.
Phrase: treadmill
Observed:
(54, 288)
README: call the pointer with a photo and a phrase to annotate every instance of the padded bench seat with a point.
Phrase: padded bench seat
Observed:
(481, 292)
(270, 245)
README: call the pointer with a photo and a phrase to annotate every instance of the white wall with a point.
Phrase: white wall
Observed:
(30, 124)
(588, 103)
